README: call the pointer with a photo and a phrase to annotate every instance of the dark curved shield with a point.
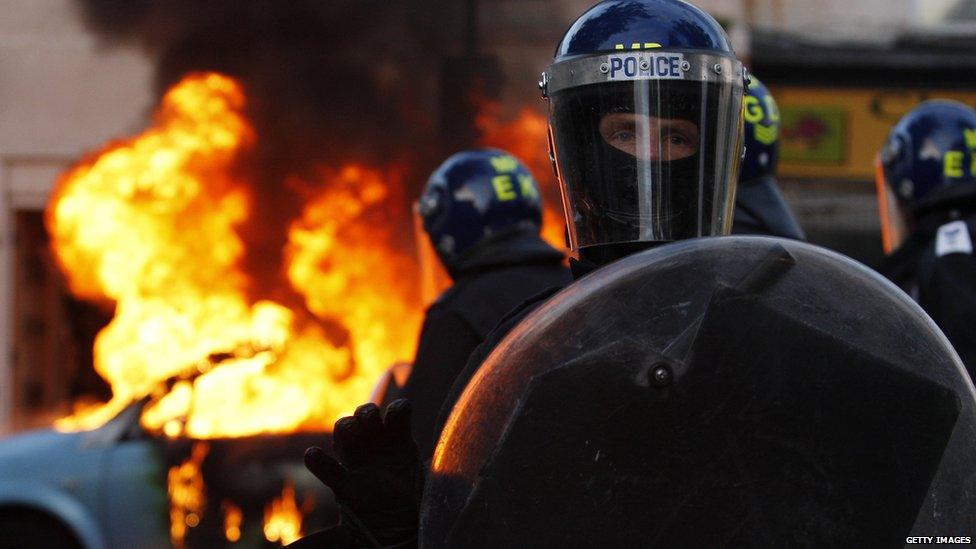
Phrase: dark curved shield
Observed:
(727, 391)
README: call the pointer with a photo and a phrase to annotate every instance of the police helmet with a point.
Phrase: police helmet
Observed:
(645, 113)
(477, 195)
(927, 164)
(762, 123)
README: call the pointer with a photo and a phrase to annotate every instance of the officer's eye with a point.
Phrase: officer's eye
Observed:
(620, 131)
(650, 138)
(623, 136)
(679, 137)
(676, 139)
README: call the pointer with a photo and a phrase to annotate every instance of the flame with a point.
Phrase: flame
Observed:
(526, 136)
(283, 518)
(233, 516)
(348, 226)
(186, 494)
(152, 223)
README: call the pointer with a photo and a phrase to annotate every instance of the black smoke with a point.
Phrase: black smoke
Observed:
(328, 82)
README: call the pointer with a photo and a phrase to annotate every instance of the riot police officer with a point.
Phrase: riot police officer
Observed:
(927, 193)
(482, 211)
(759, 206)
(646, 140)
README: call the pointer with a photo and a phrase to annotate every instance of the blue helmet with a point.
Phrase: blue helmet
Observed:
(645, 122)
(929, 160)
(761, 132)
(475, 195)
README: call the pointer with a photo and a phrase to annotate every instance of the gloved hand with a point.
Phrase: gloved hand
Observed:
(378, 480)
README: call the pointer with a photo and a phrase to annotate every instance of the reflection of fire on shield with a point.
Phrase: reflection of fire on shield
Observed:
(727, 391)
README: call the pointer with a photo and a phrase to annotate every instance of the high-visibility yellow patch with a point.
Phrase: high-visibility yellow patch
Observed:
(504, 164)
(527, 186)
(953, 164)
(504, 189)
(970, 134)
(638, 46)
(767, 135)
(752, 109)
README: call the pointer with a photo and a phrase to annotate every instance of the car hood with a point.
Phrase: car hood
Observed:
(34, 449)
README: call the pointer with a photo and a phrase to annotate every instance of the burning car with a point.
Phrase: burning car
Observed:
(241, 331)
(224, 363)
(121, 486)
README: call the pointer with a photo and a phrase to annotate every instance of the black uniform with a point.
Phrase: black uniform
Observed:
(580, 268)
(936, 266)
(760, 209)
(488, 284)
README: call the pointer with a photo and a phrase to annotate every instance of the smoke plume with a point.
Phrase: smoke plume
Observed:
(328, 82)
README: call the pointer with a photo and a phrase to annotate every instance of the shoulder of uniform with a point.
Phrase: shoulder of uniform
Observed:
(449, 295)
(953, 238)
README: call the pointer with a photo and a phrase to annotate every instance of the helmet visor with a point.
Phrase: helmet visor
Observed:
(649, 154)
(893, 227)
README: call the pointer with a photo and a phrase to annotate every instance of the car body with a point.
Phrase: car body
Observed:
(108, 487)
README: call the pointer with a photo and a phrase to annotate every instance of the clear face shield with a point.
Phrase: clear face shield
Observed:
(647, 144)
(894, 229)
(434, 278)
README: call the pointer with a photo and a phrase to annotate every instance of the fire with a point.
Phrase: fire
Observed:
(526, 136)
(233, 516)
(152, 224)
(283, 518)
(343, 259)
(186, 494)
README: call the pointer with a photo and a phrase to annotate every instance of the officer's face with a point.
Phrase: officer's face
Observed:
(650, 138)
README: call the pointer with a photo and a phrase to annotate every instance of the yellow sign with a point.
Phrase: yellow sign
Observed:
(835, 133)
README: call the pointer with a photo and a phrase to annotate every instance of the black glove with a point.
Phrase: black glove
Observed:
(378, 480)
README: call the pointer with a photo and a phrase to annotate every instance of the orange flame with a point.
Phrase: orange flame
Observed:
(526, 136)
(186, 494)
(283, 518)
(233, 516)
(151, 224)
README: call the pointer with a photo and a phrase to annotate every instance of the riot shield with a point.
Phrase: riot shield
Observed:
(741, 391)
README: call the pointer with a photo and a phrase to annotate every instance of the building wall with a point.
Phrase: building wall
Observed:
(849, 19)
(62, 93)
